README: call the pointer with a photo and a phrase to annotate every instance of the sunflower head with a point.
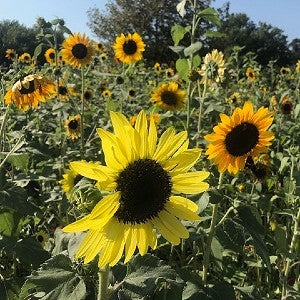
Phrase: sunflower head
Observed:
(77, 50)
(50, 56)
(88, 94)
(11, 54)
(286, 105)
(285, 71)
(142, 173)
(238, 137)
(106, 93)
(42, 237)
(25, 57)
(128, 49)
(169, 96)
(29, 91)
(70, 179)
(131, 92)
(157, 68)
(235, 98)
(250, 73)
(73, 127)
(169, 72)
(103, 56)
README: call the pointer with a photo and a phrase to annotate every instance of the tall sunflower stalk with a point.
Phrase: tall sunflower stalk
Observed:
(82, 114)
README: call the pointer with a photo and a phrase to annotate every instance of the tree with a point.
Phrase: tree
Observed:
(152, 19)
(295, 48)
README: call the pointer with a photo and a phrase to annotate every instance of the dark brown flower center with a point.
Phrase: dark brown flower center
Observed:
(29, 90)
(145, 188)
(40, 238)
(77, 179)
(87, 95)
(130, 47)
(131, 93)
(287, 107)
(169, 98)
(73, 124)
(52, 55)
(242, 139)
(62, 90)
(79, 51)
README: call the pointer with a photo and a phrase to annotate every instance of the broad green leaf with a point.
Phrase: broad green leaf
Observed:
(192, 48)
(38, 50)
(178, 32)
(281, 240)
(176, 49)
(196, 61)
(215, 34)
(211, 15)
(203, 202)
(182, 67)
(9, 223)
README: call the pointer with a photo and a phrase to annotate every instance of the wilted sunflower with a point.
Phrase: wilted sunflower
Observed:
(77, 50)
(285, 71)
(42, 237)
(87, 95)
(213, 66)
(70, 179)
(25, 57)
(29, 91)
(72, 125)
(141, 174)
(235, 98)
(50, 56)
(11, 54)
(250, 73)
(237, 137)
(128, 49)
(168, 96)
(106, 93)
(286, 105)
(157, 68)
(169, 72)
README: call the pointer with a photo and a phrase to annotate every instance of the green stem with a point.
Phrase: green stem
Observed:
(82, 114)
(2, 129)
(211, 233)
(201, 100)
(103, 283)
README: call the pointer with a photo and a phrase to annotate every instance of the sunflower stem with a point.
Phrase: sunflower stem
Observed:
(82, 114)
(201, 100)
(2, 129)
(210, 235)
(103, 283)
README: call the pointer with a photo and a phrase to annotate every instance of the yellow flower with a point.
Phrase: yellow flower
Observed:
(235, 98)
(155, 118)
(77, 50)
(42, 237)
(106, 93)
(25, 57)
(157, 68)
(250, 74)
(50, 56)
(73, 127)
(169, 96)
(141, 174)
(169, 73)
(29, 91)
(213, 66)
(286, 105)
(70, 179)
(11, 54)
(285, 71)
(128, 49)
(237, 137)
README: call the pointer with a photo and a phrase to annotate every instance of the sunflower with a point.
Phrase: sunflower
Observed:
(106, 93)
(157, 68)
(25, 57)
(213, 66)
(50, 56)
(274, 103)
(286, 105)
(99, 46)
(42, 237)
(87, 95)
(237, 137)
(285, 71)
(235, 98)
(29, 91)
(77, 50)
(72, 125)
(141, 175)
(103, 56)
(11, 54)
(63, 93)
(250, 74)
(128, 49)
(131, 92)
(169, 72)
(168, 96)
(70, 179)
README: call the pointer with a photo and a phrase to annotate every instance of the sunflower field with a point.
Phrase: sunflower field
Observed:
(124, 180)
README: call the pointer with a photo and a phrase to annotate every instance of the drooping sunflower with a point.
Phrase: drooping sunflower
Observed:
(129, 49)
(70, 179)
(29, 91)
(50, 56)
(141, 175)
(25, 57)
(213, 66)
(73, 127)
(250, 73)
(169, 96)
(77, 50)
(11, 54)
(239, 136)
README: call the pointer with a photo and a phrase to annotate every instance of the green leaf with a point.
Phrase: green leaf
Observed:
(38, 50)
(176, 49)
(214, 34)
(280, 238)
(203, 202)
(111, 105)
(215, 195)
(55, 21)
(178, 32)
(182, 67)
(180, 8)
(192, 48)
(19, 160)
(196, 61)
(9, 223)
(55, 280)
(64, 29)
(211, 15)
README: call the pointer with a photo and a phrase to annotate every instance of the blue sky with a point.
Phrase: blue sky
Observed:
(284, 14)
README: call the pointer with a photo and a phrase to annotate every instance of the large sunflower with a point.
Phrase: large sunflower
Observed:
(29, 91)
(141, 174)
(239, 136)
(168, 96)
(11, 54)
(73, 127)
(77, 50)
(128, 49)
(50, 56)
